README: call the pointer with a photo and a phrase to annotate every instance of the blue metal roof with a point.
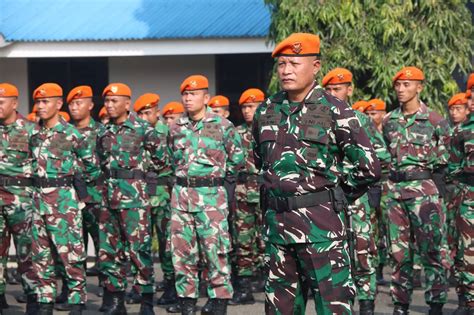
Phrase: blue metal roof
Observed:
(108, 20)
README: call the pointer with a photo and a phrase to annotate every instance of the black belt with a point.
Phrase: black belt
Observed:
(398, 177)
(52, 182)
(467, 179)
(284, 204)
(243, 178)
(15, 181)
(125, 174)
(199, 182)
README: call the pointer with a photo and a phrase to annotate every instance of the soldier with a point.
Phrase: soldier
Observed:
(247, 242)
(104, 116)
(15, 193)
(461, 167)
(56, 148)
(376, 110)
(360, 106)
(301, 136)
(417, 139)
(338, 83)
(220, 105)
(146, 107)
(206, 150)
(80, 105)
(125, 148)
(172, 112)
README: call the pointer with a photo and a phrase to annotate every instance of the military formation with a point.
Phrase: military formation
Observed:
(311, 197)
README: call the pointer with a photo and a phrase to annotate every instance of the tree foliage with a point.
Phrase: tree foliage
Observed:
(375, 39)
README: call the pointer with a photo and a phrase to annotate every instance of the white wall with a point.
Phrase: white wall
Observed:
(160, 74)
(14, 71)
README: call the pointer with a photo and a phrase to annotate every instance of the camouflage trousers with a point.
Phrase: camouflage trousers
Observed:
(200, 227)
(122, 233)
(322, 267)
(364, 249)
(416, 224)
(453, 203)
(58, 237)
(465, 256)
(160, 218)
(247, 238)
(90, 217)
(381, 226)
(15, 221)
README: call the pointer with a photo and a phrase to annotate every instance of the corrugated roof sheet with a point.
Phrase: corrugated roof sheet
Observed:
(104, 20)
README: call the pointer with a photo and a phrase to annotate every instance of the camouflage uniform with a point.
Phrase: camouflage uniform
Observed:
(462, 168)
(160, 210)
(208, 150)
(300, 148)
(15, 201)
(57, 217)
(417, 144)
(247, 239)
(126, 223)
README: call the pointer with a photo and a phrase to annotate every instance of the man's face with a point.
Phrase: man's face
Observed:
(149, 114)
(407, 90)
(376, 116)
(221, 111)
(297, 73)
(458, 113)
(248, 111)
(341, 91)
(116, 106)
(80, 108)
(171, 118)
(48, 107)
(194, 101)
(8, 107)
(470, 101)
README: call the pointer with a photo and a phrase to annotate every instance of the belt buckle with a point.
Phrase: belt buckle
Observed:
(3, 181)
(192, 181)
(281, 204)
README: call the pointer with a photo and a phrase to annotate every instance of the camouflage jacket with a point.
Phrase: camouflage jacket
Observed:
(160, 196)
(94, 188)
(56, 153)
(249, 191)
(300, 148)
(211, 148)
(416, 143)
(461, 161)
(126, 147)
(15, 159)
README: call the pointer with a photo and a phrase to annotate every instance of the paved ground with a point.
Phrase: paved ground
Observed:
(383, 304)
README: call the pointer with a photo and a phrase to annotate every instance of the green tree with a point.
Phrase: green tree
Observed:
(375, 39)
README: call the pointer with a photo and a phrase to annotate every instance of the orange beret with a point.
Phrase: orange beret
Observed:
(147, 100)
(219, 101)
(194, 82)
(48, 90)
(8, 90)
(470, 81)
(252, 96)
(298, 44)
(376, 104)
(337, 76)
(31, 117)
(409, 73)
(83, 91)
(458, 99)
(102, 112)
(117, 89)
(65, 115)
(360, 106)
(468, 94)
(173, 108)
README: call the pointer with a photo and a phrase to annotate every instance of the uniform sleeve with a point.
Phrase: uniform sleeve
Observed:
(235, 153)
(256, 140)
(86, 153)
(156, 145)
(456, 154)
(380, 147)
(357, 149)
(442, 144)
